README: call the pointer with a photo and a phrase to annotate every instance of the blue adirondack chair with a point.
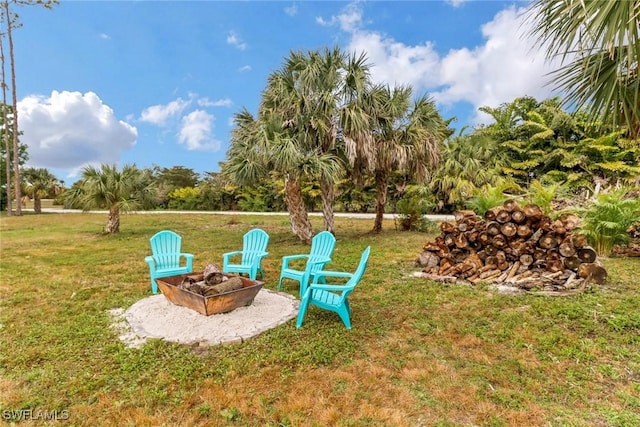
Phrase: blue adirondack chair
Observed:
(330, 296)
(322, 246)
(254, 248)
(166, 249)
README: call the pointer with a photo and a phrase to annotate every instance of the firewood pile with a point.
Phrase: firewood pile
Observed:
(212, 282)
(512, 245)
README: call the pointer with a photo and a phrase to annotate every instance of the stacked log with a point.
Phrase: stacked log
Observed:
(515, 245)
(213, 282)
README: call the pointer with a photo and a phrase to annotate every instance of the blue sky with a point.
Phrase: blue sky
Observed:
(157, 83)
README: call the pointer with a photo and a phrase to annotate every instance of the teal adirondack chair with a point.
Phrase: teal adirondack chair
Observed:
(254, 248)
(333, 297)
(322, 246)
(166, 249)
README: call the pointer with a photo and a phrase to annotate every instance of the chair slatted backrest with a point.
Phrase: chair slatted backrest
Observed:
(166, 246)
(322, 246)
(254, 243)
(362, 266)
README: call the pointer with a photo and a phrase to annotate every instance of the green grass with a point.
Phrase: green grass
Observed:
(419, 353)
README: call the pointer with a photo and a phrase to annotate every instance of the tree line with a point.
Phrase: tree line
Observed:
(325, 136)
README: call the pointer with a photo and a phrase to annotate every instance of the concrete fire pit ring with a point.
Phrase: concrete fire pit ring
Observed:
(155, 317)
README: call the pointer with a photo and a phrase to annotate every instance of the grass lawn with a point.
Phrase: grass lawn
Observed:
(419, 354)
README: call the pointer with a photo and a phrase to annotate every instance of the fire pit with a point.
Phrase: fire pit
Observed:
(208, 305)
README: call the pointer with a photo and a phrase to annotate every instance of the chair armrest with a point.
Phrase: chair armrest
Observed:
(189, 258)
(228, 255)
(287, 258)
(322, 273)
(150, 260)
(328, 287)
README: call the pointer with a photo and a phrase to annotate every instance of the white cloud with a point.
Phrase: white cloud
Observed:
(196, 132)
(205, 102)
(234, 40)
(504, 67)
(349, 20)
(396, 63)
(291, 10)
(159, 114)
(456, 3)
(69, 130)
(244, 68)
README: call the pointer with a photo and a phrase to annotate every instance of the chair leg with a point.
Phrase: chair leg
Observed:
(304, 305)
(154, 286)
(343, 312)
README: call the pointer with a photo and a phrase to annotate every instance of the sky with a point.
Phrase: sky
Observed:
(156, 83)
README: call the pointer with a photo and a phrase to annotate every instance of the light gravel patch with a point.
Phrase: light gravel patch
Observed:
(155, 317)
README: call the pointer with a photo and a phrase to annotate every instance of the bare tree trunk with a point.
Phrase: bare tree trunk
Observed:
(16, 153)
(113, 223)
(382, 179)
(328, 197)
(300, 224)
(5, 131)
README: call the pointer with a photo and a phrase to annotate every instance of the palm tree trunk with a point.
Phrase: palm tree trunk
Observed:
(113, 222)
(382, 179)
(300, 224)
(16, 153)
(328, 197)
(37, 203)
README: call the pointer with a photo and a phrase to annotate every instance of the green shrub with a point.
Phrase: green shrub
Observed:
(607, 218)
(542, 195)
(487, 197)
(185, 198)
(412, 207)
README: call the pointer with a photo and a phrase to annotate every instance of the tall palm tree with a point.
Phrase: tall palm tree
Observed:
(261, 149)
(404, 135)
(599, 45)
(39, 182)
(320, 87)
(117, 191)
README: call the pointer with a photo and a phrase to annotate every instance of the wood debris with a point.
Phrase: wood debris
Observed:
(512, 245)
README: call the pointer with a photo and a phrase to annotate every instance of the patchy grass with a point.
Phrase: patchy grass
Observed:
(419, 353)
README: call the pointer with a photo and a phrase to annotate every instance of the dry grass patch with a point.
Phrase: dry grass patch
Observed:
(420, 353)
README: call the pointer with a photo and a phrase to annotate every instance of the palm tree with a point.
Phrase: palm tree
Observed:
(468, 162)
(403, 135)
(40, 182)
(312, 95)
(599, 45)
(117, 191)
